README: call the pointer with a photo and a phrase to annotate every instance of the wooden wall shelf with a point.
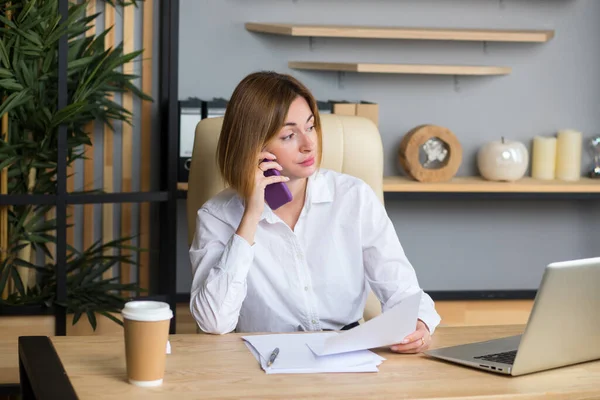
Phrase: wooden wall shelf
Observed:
(373, 32)
(400, 184)
(401, 68)
(479, 185)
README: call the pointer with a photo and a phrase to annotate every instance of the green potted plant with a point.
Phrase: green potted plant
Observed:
(29, 36)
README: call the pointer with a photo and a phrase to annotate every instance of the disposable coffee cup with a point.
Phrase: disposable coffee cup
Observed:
(146, 334)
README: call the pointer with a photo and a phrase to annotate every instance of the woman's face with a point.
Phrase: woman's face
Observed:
(295, 145)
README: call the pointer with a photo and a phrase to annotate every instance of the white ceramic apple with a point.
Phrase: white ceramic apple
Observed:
(503, 160)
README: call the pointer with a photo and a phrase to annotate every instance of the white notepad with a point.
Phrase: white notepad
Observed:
(296, 357)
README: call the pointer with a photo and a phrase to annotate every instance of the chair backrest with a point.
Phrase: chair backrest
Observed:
(351, 145)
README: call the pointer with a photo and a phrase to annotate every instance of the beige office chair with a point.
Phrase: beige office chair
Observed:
(351, 145)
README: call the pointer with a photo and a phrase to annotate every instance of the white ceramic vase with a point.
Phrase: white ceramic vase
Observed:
(503, 160)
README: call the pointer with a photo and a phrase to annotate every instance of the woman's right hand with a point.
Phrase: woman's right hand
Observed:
(255, 204)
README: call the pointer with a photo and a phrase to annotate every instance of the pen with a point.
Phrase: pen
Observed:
(273, 356)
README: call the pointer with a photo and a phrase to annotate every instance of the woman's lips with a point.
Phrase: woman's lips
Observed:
(308, 162)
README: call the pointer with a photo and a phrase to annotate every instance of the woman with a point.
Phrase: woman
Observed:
(309, 264)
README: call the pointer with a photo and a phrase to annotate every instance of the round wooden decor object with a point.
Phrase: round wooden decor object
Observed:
(412, 143)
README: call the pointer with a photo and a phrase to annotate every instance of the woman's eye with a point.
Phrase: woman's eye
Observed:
(288, 137)
(310, 129)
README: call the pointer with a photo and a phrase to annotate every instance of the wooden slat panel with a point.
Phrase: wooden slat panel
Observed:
(4, 190)
(4, 210)
(107, 209)
(51, 245)
(127, 135)
(146, 137)
(88, 163)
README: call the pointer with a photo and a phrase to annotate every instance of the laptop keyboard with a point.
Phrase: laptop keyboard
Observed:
(507, 357)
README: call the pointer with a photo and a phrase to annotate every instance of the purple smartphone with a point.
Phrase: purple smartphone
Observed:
(276, 194)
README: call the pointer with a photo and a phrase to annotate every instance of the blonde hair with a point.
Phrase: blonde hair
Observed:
(255, 114)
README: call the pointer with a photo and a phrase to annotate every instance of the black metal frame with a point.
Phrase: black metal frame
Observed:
(169, 64)
(166, 197)
(476, 196)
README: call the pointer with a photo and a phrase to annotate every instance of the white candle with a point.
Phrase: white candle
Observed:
(568, 155)
(543, 162)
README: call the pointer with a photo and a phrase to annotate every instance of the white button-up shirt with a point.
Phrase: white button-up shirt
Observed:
(314, 277)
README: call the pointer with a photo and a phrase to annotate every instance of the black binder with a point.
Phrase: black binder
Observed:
(191, 111)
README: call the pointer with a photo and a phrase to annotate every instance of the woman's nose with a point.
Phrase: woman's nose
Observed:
(307, 143)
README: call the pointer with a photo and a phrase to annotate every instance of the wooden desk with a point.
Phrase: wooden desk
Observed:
(208, 366)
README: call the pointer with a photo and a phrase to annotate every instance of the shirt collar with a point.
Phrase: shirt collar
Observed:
(317, 191)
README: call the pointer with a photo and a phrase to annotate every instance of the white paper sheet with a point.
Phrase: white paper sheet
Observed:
(388, 328)
(296, 357)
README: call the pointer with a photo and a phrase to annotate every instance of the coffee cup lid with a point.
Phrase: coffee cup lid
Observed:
(146, 310)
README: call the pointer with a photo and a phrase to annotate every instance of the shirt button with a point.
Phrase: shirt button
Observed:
(306, 288)
(314, 322)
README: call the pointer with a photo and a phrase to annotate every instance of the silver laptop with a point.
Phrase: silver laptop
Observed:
(563, 327)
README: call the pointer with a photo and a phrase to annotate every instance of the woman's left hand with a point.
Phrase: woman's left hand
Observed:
(416, 342)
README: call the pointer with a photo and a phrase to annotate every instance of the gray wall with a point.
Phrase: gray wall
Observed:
(453, 245)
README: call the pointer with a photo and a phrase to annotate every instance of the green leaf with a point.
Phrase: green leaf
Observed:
(5, 73)
(96, 272)
(26, 10)
(122, 2)
(38, 164)
(44, 249)
(92, 318)
(7, 162)
(67, 113)
(38, 238)
(14, 100)
(10, 84)
(31, 36)
(4, 274)
(106, 286)
(28, 73)
(82, 62)
(7, 22)
(17, 281)
(49, 59)
(76, 317)
(4, 57)
(42, 225)
(22, 263)
(111, 317)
